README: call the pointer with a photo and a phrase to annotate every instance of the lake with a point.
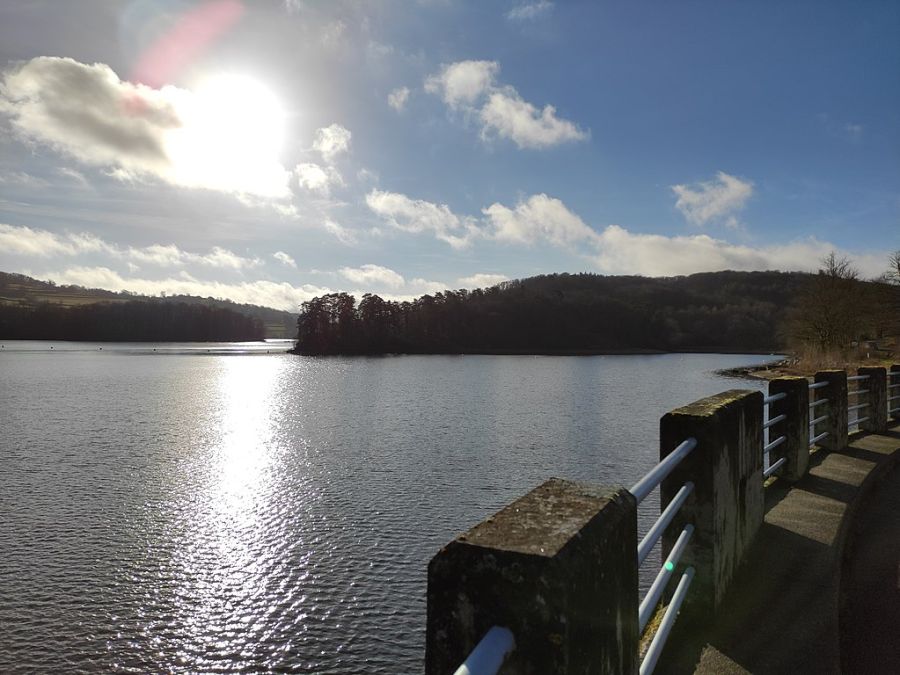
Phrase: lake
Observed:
(217, 508)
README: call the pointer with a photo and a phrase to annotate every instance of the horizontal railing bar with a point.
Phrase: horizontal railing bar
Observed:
(857, 407)
(813, 441)
(818, 385)
(665, 626)
(893, 410)
(651, 600)
(819, 402)
(817, 420)
(857, 378)
(774, 397)
(772, 469)
(893, 398)
(774, 444)
(655, 532)
(488, 655)
(775, 420)
(892, 386)
(655, 476)
(857, 422)
(857, 391)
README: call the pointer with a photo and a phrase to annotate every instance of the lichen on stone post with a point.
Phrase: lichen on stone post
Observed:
(726, 506)
(558, 567)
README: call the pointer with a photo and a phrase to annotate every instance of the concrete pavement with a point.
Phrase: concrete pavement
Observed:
(782, 614)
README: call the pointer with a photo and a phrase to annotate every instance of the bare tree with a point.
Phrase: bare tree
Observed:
(893, 273)
(831, 310)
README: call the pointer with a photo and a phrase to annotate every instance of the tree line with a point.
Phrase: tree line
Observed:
(584, 313)
(560, 313)
(132, 321)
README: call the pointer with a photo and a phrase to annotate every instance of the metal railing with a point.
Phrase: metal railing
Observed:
(814, 438)
(768, 445)
(859, 406)
(648, 605)
(489, 654)
(891, 410)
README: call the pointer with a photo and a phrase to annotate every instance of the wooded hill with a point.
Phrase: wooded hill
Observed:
(21, 296)
(564, 313)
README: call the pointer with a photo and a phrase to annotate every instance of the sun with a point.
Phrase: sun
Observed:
(231, 135)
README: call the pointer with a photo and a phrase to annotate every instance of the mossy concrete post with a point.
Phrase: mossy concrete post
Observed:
(795, 426)
(894, 390)
(875, 396)
(836, 409)
(557, 567)
(726, 506)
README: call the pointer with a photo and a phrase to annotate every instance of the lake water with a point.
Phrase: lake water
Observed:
(231, 510)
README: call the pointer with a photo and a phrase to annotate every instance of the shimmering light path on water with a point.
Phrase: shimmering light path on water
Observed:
(193, 511)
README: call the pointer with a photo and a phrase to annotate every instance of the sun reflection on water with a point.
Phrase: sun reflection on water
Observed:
(224, 562)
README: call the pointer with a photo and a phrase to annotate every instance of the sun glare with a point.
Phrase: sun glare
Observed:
(231, 136)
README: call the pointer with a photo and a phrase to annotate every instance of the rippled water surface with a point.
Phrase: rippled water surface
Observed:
(192, 510)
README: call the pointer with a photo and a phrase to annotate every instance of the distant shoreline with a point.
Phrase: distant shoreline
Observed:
(567, 352)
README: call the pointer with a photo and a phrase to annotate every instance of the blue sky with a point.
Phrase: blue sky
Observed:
(271, 151)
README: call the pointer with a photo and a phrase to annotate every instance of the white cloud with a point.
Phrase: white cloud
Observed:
(223, 258)
(41, 243)
(398, 97)
(482, 280)
(713, 200)
(267, 293)
(373, 274)
(332, 141)
(316, 178)
(508, 115)
(21, 178)
(539, 218)
(623, 252)
(417, 216)
(342, 234)
(284, 259)
(75, 176)
(463, 82)
(136, 132)
(26, 241)
(529, 10)
(471, 86)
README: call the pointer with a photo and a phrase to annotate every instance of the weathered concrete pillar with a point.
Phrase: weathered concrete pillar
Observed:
(726, 507)
(558, 567)
(795, 406)
(894, 390)
(876, 397)
(836, 408)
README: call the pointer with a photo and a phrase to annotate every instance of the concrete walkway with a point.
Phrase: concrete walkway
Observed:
(782, 615)
(870, 585)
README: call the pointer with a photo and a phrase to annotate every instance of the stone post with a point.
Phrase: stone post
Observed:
(836, 409)
(894, 390)
(876, 397)
(558, 567)
(726, 507)
(795, 405)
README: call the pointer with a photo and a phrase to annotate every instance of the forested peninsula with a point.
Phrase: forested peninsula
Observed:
(562, 313)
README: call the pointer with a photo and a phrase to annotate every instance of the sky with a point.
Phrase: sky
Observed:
(271, 151)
